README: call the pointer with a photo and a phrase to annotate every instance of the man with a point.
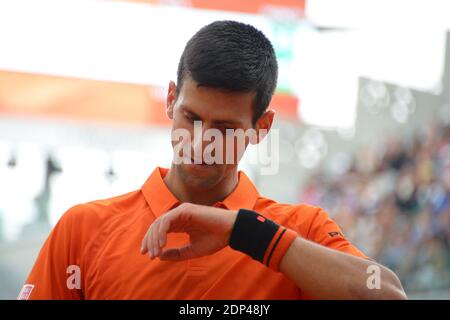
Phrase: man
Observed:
(207, 231)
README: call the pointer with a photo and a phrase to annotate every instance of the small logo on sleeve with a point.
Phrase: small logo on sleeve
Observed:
(25, 292)
(335, 233)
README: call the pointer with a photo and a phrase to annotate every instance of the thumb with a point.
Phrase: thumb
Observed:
(178, 254)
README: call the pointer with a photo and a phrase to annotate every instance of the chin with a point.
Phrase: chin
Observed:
(199, 178)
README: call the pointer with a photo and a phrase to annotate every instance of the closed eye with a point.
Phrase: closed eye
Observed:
(191, 117)
(227, 130)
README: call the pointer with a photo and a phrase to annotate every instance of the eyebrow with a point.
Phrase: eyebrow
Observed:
(222, 122)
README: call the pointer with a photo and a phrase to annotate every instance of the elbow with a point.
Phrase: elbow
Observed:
(399, 295)
(388, 288)
(394, 289)
(391, 288)
(393, 292)
(387, 292)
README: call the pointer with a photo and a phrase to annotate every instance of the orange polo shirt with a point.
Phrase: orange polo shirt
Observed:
(101, 240)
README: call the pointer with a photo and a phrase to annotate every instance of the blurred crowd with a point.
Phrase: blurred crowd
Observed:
(393, 202)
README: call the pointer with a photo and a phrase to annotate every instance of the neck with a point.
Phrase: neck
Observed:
(198, 195)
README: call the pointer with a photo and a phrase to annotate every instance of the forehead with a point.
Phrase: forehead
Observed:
(214, 104)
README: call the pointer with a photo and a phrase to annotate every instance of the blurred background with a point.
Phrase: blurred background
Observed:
(363, 111)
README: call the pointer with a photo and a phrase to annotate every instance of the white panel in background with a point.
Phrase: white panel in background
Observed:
(380, 14)
(401, 41)
(327, 82)
(330, 64)
(102, 40)
(414, 58)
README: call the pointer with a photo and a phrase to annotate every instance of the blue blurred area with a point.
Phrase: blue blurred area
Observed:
(394, 203)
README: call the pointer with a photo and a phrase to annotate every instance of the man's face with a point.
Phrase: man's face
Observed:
(216, 109)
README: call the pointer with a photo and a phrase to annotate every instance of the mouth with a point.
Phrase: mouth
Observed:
(201, 164)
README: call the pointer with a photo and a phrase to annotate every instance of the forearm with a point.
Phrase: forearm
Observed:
(320, 272)
(324, 273)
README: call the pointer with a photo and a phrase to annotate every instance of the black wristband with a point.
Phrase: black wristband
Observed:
(252, 234)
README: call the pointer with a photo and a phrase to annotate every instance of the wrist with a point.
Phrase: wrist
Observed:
(260, 238)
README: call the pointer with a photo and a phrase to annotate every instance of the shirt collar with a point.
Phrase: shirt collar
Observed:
(160, 199)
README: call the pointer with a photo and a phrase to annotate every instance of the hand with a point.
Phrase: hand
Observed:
(209, 230)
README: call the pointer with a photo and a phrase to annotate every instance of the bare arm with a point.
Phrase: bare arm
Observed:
(320, 272)
(325, 273)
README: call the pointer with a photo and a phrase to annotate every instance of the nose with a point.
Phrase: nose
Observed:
(197, 143)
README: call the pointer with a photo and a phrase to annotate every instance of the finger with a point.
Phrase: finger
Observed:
(159, 229)
(168, 224)
(164, 228)
(144, 247)
(151, 240)
(146, 243)
(155, 238)
(178, 254)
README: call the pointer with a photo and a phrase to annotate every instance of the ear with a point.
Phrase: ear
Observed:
(171, 97)
(263, 125)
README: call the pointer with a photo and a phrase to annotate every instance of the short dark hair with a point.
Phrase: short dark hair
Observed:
(232, 56)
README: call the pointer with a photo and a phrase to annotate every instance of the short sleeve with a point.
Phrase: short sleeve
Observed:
(56, 272)
(325, 231)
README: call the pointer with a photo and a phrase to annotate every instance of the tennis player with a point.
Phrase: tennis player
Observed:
(201, 230)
